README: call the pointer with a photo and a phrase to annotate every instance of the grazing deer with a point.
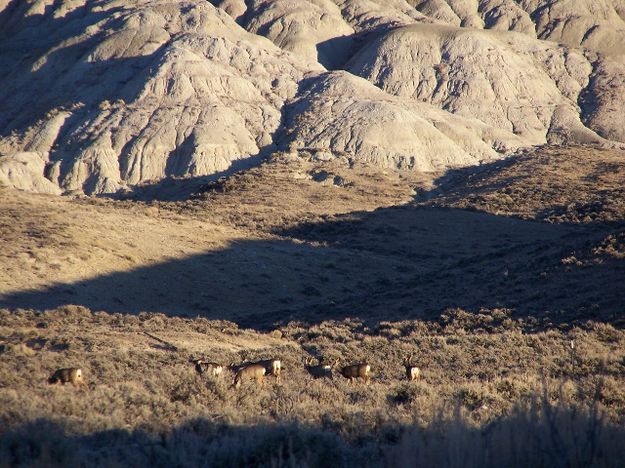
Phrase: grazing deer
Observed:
(412, 371)
(320, 370)
(250, 372)
(272, 367)
(211, 368)
(71, 375)
(357, 371)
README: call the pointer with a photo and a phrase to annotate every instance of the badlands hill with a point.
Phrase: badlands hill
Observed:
(100, 96)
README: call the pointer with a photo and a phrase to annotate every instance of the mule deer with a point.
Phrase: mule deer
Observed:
(71, 375)
(250, 372)
(357, 371)
(272, 367)
(211, 368)
(412, 371)
(320, 370)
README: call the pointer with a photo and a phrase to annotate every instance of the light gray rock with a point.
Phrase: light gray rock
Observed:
(350, 116)
(100, 95)
(124, 94)
(508, 81)
(438, 10)
(313, 29)
(373, 15)
(594, 24)
(235, 8)
(25, 171)
(603, 102)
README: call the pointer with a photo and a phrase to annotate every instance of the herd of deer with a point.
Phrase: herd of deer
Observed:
(256, 371)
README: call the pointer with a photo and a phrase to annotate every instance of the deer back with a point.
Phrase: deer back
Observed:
(356, 370)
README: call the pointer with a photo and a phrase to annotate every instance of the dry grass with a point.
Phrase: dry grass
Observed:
(482, 374)
(557, 185)
(515, 324)
(285, 191)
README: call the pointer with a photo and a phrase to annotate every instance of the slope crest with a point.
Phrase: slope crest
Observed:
(507, 80)
(341, 113)
(144, 92)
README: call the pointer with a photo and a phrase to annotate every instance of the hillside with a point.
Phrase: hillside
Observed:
(460, 271)
(339, 243)
(437, 183)
(98, 97)
(144, 403)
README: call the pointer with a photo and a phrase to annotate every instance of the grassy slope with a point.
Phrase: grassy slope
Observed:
(272, 263)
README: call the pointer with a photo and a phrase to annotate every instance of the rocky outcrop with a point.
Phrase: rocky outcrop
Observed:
(116, 95)
(598, 25)
(604, 99)
(367, 16)
(508, 81)
(101, 95)
(25, 171)
(349, 116)
(313, 29)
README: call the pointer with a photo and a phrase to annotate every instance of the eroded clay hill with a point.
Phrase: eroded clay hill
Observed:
(100, 96)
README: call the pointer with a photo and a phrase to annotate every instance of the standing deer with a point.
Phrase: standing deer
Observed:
(71, 375)
(250, 372)
(273, 367)
(357, 371)
(211, 368)
(412, 371)
(320, 370)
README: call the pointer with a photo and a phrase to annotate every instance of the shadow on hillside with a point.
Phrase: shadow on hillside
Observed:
(459, 181)
(554, 183)
(390, 264)
(334, 53)
(471, 260)
(71, 80)
(51, 78)
(199, 442)
(547, 437)
(174, 189)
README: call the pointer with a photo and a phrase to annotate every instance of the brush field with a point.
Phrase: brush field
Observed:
(504, 282)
